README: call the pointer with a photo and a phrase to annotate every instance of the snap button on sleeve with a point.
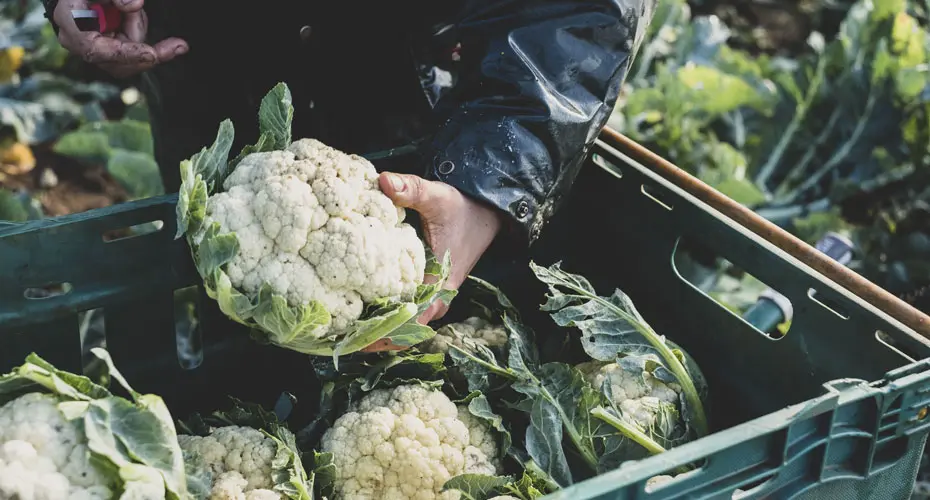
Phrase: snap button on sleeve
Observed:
(523, 208)
(446, 167)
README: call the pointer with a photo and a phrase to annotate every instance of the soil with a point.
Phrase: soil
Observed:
(78, 187)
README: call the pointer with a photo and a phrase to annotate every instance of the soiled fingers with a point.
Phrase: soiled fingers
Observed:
(124, 54)
(129, 60)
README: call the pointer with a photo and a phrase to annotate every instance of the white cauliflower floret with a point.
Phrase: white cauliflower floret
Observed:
(639, 394)
(234, 486)
(406, 443)
(239, 459)
(43, 456)
(312, 223)
(479, 330)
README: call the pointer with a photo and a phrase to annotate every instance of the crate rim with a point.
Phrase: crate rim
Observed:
(834, 397)
(840, 278)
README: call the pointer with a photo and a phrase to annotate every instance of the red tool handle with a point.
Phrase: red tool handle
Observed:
(108, 17)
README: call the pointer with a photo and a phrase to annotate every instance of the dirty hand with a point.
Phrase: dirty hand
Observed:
(121, 54)
(451, 222)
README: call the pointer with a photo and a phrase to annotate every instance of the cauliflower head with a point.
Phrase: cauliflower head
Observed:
(240, 461)
(406, 443)
(640, 395)
(43, 456)
(49, 449)
(477, 329)
(313, 224)
(297, 240)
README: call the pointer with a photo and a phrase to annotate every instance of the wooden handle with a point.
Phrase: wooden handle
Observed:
(845, 277)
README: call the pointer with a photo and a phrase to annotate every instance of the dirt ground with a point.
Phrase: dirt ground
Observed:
(73, 188)
(774, 26)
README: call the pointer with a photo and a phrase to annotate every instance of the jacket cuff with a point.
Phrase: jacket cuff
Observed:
(467, 154)
(50, 6)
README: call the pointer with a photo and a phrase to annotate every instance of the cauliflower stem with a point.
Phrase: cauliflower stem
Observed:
(528, 383)
(628, 429)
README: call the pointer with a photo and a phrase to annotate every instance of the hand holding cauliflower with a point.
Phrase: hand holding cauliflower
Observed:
(296, 240)
(312, 223)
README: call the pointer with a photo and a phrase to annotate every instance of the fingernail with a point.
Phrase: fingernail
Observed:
(148, 57)
(180, 51)
(397, 183)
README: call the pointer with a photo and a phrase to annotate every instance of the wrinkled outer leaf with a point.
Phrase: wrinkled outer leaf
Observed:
(544, 441)
(477, 486)
(479, 407)
(192, 201)
(404, 366)
(199, 475)
(605, 334)
(132, 439)
(211, 163)
(324, 474)
(559, 402)
(274, 320)
(610, 326)
(36, 374)
(275, 116)
(529, 486)
(560, 389)
(118, 430)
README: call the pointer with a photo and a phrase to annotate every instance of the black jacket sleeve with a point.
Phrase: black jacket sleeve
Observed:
(537, 82)
(50, 6)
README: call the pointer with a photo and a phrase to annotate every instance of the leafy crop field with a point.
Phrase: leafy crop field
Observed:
(815, 114)
(70, 139)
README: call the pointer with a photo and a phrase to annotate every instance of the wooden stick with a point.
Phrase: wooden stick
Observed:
(843, 276)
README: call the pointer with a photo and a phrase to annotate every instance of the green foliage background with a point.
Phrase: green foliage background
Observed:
(836, 138)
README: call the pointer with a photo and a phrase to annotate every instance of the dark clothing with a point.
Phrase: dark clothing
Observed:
(502, 98)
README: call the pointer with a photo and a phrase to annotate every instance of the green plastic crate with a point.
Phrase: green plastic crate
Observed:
(827, 411)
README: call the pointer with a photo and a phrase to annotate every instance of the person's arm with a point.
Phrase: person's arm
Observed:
(538, 81)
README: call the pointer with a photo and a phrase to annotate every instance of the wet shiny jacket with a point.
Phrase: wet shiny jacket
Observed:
(500, 99)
